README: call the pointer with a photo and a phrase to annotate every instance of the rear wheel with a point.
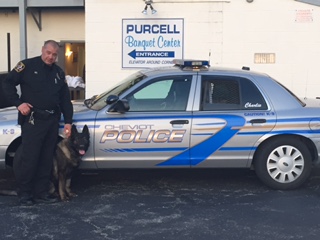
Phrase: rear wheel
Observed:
(283, 163)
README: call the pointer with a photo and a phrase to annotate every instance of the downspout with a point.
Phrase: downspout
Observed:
(23, 28)
(9, 52)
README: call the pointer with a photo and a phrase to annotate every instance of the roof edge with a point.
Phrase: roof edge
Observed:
(43, 3)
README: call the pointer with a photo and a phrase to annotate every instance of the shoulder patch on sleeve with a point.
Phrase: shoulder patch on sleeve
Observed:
(19, 67)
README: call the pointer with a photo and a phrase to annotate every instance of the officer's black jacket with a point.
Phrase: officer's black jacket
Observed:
(43, 86)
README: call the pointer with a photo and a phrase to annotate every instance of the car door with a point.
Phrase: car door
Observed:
(233, 115)
(155, 129)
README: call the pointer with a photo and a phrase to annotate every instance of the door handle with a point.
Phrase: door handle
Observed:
(179, 122)
(258, 121)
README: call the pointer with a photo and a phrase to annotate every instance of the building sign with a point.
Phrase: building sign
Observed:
(151, 42)
(304, 16)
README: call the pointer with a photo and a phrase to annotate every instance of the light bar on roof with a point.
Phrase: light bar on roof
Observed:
(191, 63)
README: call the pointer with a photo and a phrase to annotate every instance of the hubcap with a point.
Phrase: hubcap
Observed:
(285, 164)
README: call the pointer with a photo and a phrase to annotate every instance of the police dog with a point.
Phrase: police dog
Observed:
(66, 159)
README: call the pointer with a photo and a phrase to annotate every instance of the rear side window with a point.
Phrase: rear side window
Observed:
(252, 98)
(230, 93)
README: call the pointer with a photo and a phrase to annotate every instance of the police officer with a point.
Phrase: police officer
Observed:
(44, 95)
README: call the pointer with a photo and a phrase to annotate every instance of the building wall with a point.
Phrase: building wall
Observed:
(282, 27)
(229, 33)
(59, 25)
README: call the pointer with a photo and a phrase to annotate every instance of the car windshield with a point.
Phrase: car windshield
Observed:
(97, 102)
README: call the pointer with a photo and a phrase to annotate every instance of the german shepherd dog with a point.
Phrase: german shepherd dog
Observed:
(66, 159)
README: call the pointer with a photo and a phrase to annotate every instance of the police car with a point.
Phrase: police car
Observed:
(192, 115)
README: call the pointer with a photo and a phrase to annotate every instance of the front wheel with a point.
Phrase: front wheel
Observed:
(283, 163)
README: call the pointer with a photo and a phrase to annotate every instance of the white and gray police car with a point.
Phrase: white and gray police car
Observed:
(192, 115)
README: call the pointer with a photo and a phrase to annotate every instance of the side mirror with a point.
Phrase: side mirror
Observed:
(121, 106)
(88, 102)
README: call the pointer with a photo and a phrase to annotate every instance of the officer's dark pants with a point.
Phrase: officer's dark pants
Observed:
(33, 162)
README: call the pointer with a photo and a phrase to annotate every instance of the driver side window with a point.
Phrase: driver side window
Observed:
(162, 94)
(156, 90)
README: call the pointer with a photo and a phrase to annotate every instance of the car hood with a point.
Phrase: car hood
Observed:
(10, 113)
(78, 106)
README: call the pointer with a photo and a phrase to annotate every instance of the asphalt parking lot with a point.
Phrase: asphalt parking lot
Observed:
(167, 204)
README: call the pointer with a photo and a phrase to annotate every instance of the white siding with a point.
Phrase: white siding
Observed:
(232, 31)
(56, 25)
(269, 26)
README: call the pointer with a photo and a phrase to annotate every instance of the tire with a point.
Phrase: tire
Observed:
(283, 163)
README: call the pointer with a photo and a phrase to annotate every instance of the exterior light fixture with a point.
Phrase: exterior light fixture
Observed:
(153, 11)
(145, 10)
(148, 4)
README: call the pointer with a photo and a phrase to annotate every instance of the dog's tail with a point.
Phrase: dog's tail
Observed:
(8, 192)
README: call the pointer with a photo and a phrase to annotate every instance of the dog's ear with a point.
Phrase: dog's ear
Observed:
(85, 130)
(73, 130)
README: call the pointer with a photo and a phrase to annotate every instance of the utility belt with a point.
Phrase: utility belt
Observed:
(44, 114)
(40, 115)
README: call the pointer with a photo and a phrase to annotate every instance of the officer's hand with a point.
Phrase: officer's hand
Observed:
(25, 108)
(67, 130)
